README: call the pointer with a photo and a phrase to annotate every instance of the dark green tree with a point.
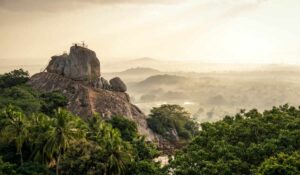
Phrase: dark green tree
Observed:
(243, 144)
(13, 78)
(281, 164)
(127, 128)
(171, 121)
(65, 128)
(15, 129)
(51, 101)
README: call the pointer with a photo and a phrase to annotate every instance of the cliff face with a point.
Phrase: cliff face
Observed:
(77, 76)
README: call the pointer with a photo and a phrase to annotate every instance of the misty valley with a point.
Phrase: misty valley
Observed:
(211, 95)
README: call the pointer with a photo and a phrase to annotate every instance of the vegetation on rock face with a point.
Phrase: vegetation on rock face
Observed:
(172, 121)
(51, 101)
(14, 91)
(128, 129)
(247, 143)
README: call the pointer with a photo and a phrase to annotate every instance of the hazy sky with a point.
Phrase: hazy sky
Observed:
(222, 31)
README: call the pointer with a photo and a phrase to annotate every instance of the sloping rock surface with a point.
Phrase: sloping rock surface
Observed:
(85, 100)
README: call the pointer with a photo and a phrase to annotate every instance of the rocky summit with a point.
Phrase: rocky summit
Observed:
(77, 76)
(81, 64)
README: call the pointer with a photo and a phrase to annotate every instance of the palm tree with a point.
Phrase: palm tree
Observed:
(115, 152)
(40, 125)
(65, 128)
(15, 128)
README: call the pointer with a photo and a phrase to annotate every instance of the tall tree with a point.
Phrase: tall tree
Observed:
(15, 128)
(40, 125)
(65, 128)
(115, 152)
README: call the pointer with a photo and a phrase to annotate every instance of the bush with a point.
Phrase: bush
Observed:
(52, 101)
(21, 96)
(127, 128)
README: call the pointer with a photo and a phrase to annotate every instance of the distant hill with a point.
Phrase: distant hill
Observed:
(140, 70)
(144, 59)
(279, 68)
(163, 80)
(120, 65)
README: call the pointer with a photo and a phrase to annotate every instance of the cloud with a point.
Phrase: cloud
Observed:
(57, 5)
(65, 5)
(60, 6)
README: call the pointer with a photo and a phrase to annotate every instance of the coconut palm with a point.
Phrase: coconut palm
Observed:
(116, 152)
(15, 128)
(40, 125)
(65, 129)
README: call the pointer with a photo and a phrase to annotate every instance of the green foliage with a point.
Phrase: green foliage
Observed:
(13, 78)
(14, 91)
(281, 164)
(104, 152)
(28, 168)
(52, 101)
(144, 150)
(33, 168)
(65, 129)
(127, 128)
(15, 128)
(172, 120)
(83, 157)
(144, 154)
(240, 144)
(22, 97)
(146, 167)
(7, 168)
(38, 137)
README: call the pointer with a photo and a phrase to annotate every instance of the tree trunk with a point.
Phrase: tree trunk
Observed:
(21, 157)
(57, 164)
(19, 149)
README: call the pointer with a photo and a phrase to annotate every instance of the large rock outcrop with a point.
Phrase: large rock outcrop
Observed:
(81, 64)
(77, 76)
(85, 100)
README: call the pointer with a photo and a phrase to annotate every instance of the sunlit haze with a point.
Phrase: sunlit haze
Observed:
(213, 31)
